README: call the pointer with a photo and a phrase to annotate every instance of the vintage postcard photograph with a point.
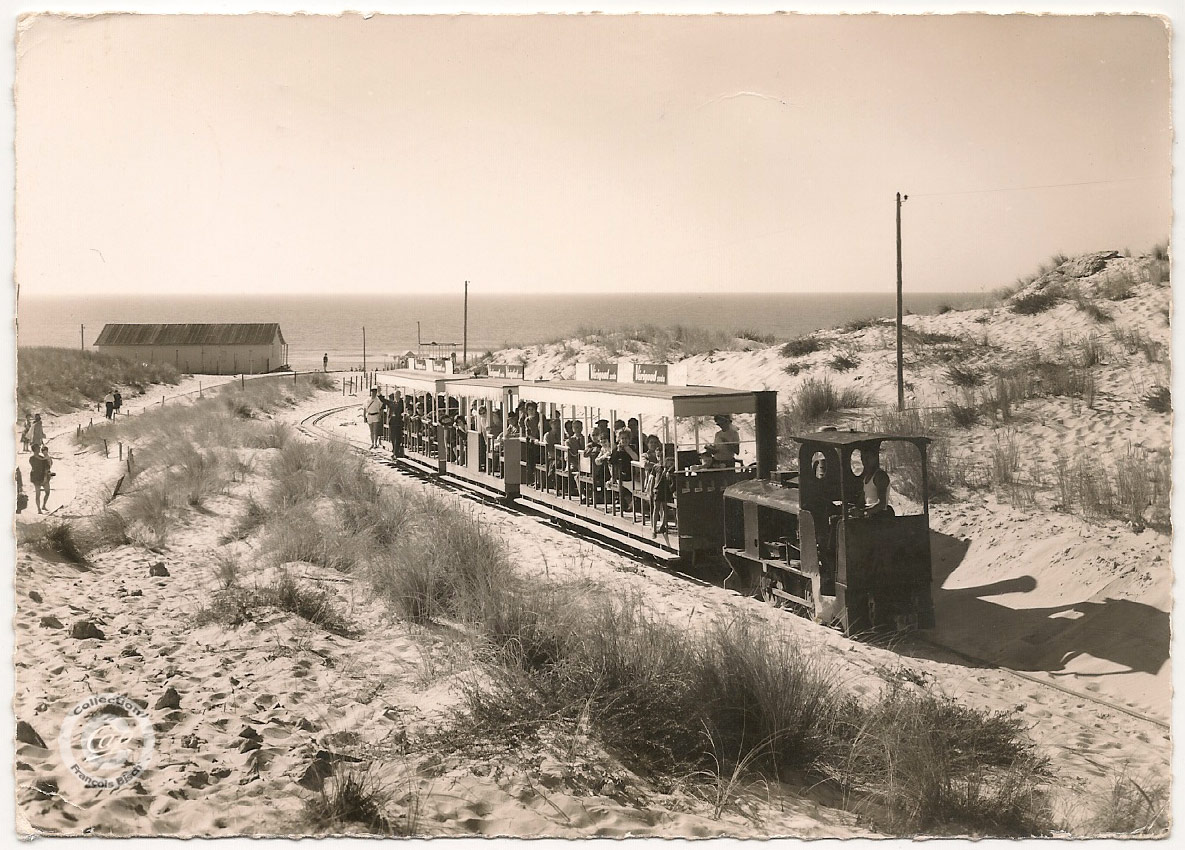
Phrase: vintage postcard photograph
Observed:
(593, 425)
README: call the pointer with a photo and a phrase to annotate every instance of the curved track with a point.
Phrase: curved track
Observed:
(311, 426)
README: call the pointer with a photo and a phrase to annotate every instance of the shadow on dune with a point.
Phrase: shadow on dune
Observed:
(1130, 635)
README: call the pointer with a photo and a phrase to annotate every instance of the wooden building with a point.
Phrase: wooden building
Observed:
(217, 349)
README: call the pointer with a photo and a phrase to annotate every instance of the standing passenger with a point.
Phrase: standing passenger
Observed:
(395, 423)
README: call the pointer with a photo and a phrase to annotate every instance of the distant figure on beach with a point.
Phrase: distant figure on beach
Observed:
(40, 472)
(372, 412)
(118, 403)
(325, 362)
(25, 432)
(109, 404)
(38, 437)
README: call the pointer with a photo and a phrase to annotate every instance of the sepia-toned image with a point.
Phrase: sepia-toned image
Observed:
(593, 425)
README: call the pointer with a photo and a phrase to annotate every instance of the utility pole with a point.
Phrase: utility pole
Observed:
(900, 354)
(465, 331)
(82, 337)
(418, 345)
(364, 348)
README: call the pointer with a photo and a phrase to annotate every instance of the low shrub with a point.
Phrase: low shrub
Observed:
(817, 398)
(1036, 302)
(966, 377)
(235, 605)
(1131, 807)
(1159, 400)
(57, 537)
(1116, 285)
(1090, 308)
(859, 324)
(923, 763)
(844, 361)
(792, 369)
(963, 415)
(354, 800)
(802, 346)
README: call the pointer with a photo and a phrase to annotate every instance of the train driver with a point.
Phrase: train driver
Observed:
(876, 485)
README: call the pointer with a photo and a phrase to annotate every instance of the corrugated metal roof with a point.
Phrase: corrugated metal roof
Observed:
(227, 333)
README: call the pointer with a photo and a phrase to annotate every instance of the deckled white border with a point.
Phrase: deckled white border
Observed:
(1174, 11)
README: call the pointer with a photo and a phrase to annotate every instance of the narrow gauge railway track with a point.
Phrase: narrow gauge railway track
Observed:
(312, 427)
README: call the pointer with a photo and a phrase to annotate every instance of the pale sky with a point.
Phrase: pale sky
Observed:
(305, 155)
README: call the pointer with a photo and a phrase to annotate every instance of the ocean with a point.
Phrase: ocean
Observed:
(314, 326)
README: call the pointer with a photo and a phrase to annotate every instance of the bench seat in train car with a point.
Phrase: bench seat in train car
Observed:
(476, 461)
(613, 498)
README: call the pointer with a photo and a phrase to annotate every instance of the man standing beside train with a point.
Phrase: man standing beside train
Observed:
(372, 412)
(395, 423)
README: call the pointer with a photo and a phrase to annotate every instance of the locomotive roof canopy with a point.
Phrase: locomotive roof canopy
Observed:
(855, 438)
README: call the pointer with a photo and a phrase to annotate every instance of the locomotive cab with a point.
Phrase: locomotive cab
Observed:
(839, 540)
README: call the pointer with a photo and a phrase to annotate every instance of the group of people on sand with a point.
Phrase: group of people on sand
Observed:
(40, 464)
(112, 402)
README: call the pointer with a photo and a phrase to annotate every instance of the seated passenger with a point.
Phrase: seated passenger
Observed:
(725, 446)
(623, 455)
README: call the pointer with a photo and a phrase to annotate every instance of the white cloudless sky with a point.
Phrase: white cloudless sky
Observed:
(313, 154)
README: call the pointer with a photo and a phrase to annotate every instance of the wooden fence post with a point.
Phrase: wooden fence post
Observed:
(121, 449)
(105, 452)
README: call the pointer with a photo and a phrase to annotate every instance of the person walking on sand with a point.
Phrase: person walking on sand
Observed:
(118, 403)
(25, 432)
(40, 472)
(325, 362)
(108, 404)
(38, 437)
(372, 412)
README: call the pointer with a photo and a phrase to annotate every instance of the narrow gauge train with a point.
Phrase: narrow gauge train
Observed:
(792, 540)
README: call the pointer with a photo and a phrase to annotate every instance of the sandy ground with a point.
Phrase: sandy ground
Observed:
(1075, 614)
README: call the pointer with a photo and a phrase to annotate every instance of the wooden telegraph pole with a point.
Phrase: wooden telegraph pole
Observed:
(465, 331)
(82, 337)
(900, 354)
(418, 345)
(363, 348)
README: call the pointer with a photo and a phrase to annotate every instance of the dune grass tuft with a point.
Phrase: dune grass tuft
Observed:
(818, 398)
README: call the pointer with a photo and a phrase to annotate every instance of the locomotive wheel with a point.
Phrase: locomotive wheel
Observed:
(765, 594)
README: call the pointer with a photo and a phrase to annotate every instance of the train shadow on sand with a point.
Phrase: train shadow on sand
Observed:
(991, 622)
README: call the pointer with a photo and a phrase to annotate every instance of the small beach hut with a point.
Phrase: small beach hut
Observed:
(212, 349)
